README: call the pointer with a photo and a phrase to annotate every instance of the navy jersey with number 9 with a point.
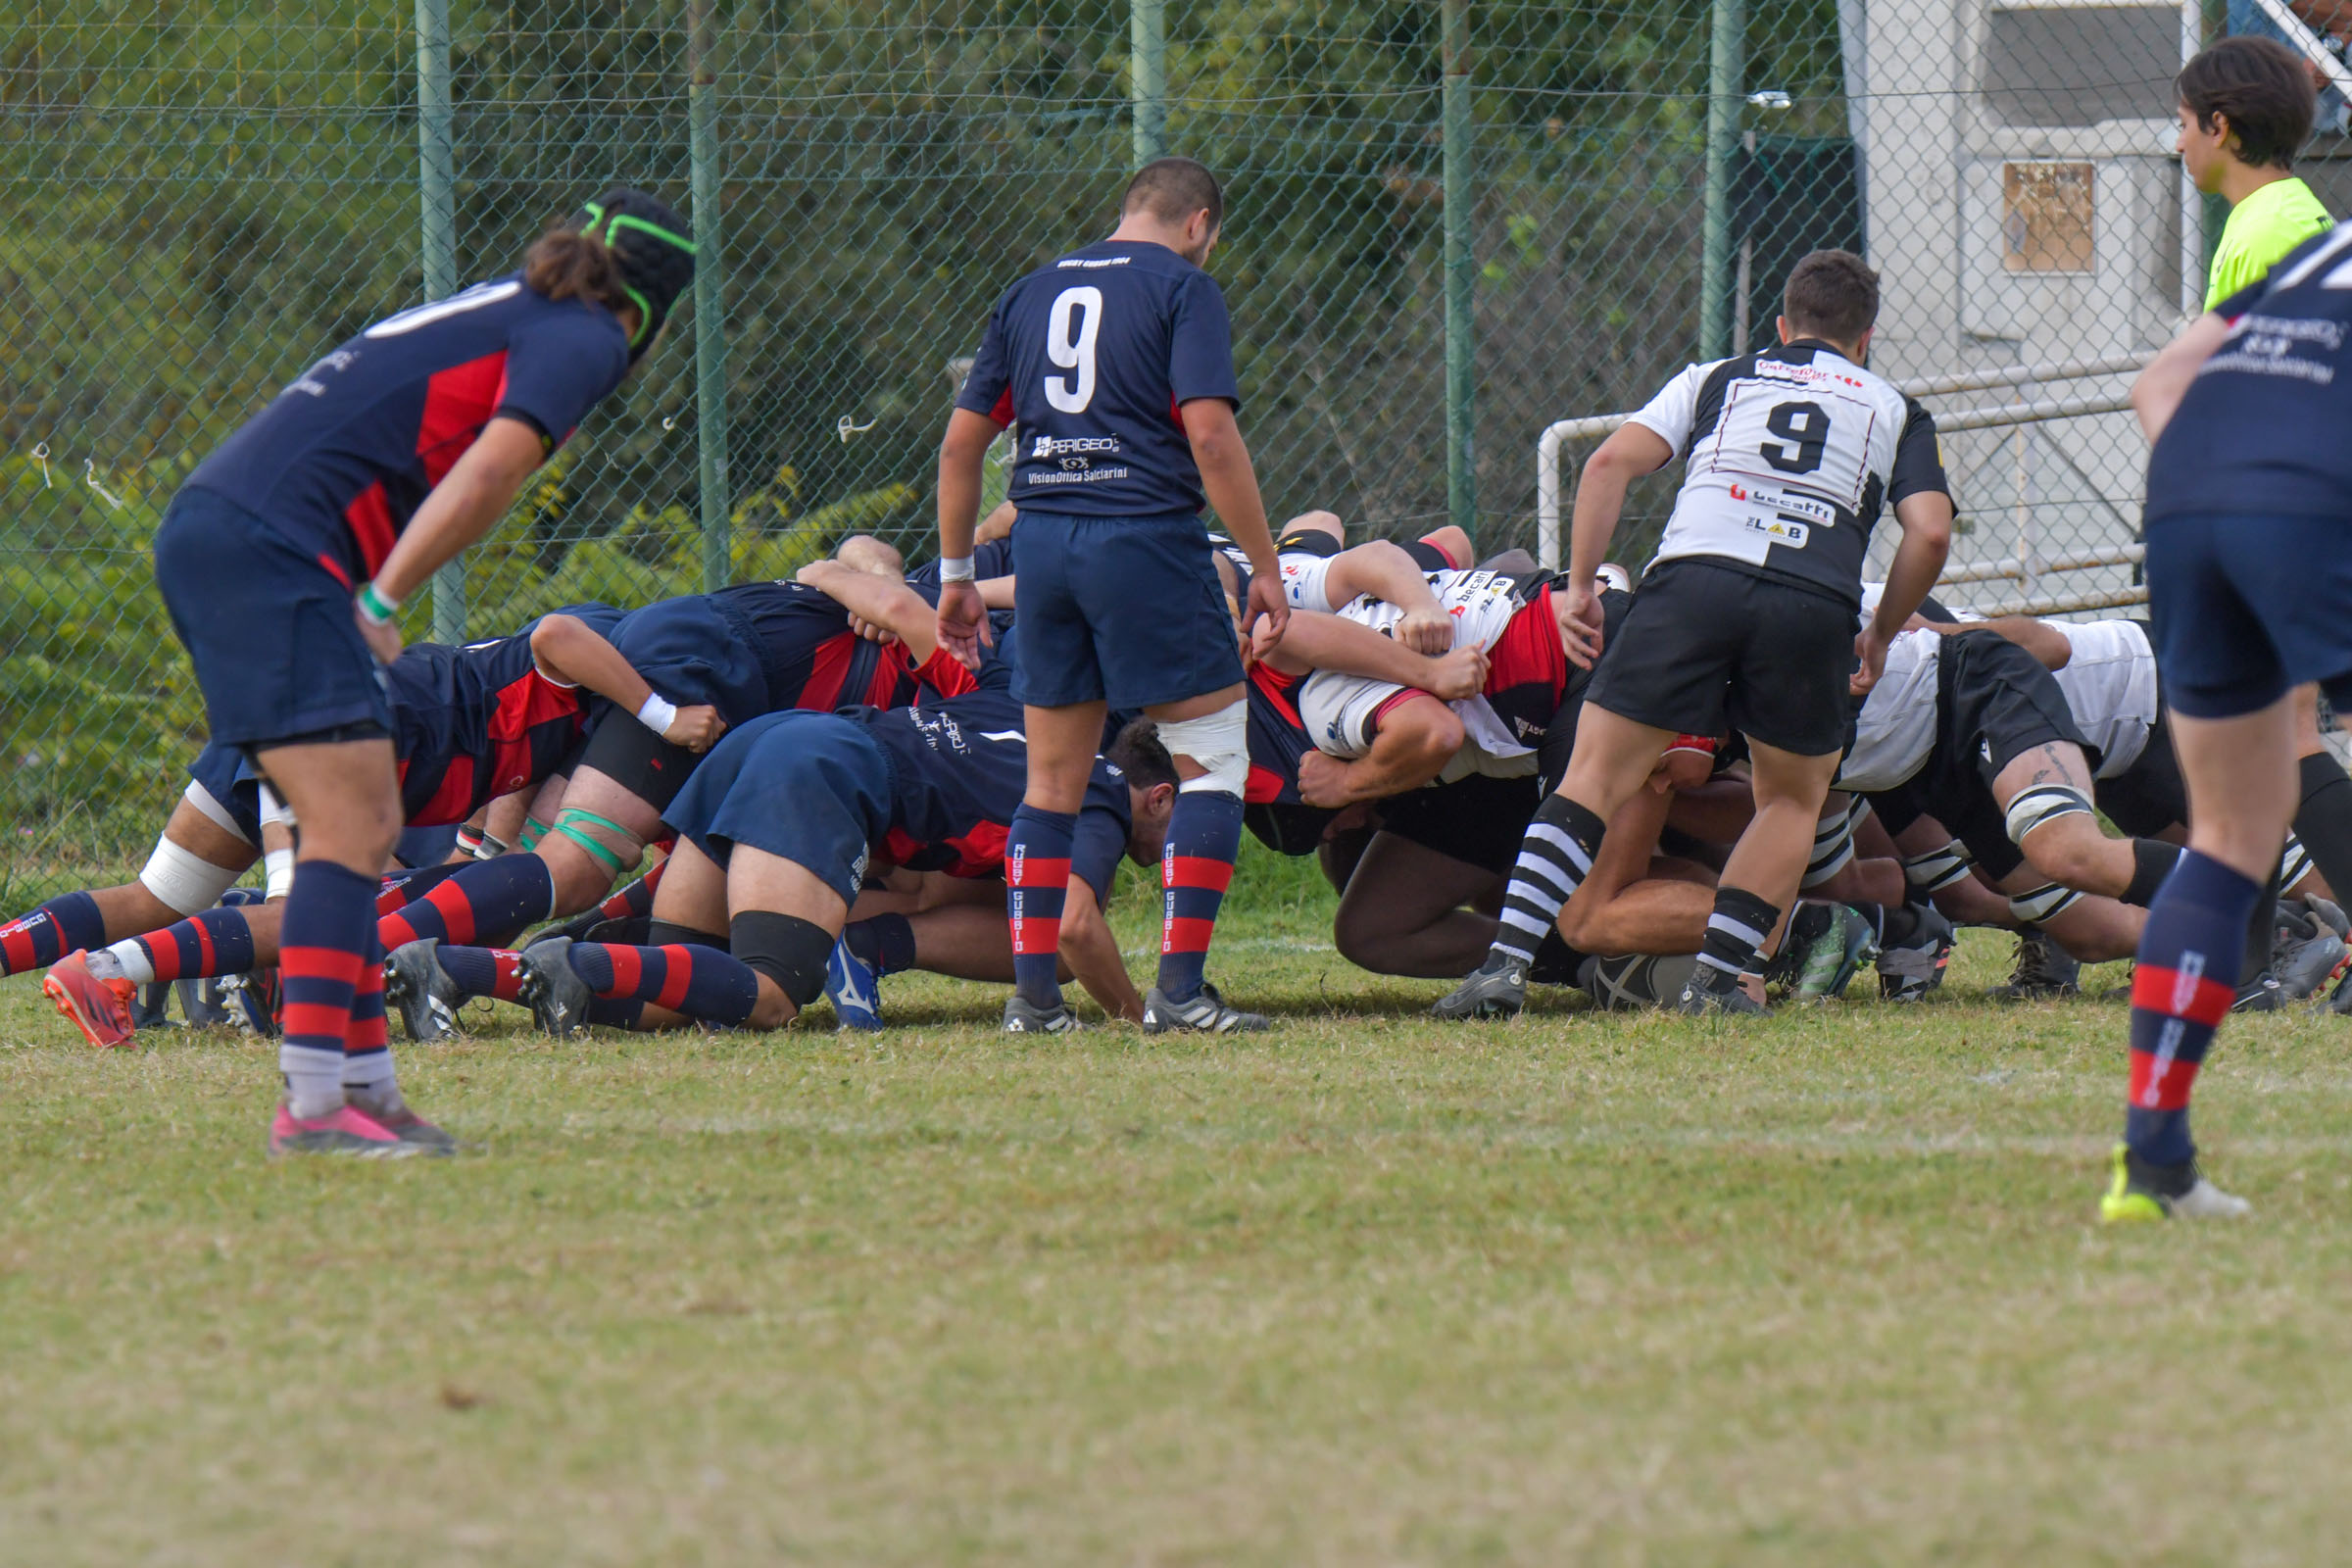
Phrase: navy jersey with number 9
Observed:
(1095, 357)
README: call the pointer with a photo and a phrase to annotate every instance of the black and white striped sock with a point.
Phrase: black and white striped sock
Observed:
(1553, 858)
(1735, 931)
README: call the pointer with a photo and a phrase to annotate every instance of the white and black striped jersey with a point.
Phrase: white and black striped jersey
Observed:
(1789, 455)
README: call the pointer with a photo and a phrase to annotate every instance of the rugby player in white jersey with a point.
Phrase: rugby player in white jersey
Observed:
(1745, 621)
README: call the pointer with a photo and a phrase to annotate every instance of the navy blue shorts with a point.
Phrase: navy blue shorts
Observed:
(810, 787)
(2244, 606)
(1123, 609)
(692, 650)
(268, 629)
(229, 777)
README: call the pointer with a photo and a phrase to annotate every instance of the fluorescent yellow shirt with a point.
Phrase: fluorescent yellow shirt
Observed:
(2262, 228)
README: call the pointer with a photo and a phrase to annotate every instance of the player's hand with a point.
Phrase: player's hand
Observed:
(1580, 622)
(873, 632)
(964, 623)
(1323, 780)
(1426, 632)
(1870, 661)
(1458, 675)
(382, 640)
(697, 728)
(1267, 604)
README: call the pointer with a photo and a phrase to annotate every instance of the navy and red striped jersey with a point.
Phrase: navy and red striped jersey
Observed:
(1094, 356)
(472, 723)
(343, 457)
(763, 648)
(958, 772)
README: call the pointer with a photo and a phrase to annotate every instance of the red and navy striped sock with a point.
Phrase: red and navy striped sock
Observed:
(634, 901)
(1204, 834)
(323, 945)
(486, 902)
(689, 978)
(1037, 879)
(884, 944)
(209, 942)
(493, 972)
(36, 941)
(2189, 952)
(367, 1047)
(407, 886)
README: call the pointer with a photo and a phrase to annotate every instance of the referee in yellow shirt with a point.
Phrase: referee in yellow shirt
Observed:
(2246, 107)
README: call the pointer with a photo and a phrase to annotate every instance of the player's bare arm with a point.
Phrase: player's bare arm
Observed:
(1630, 452)
(1926, 517)
(1382, 568)
(1417, 739)
(962, 619)
(464, 506)
(1332, 642)
(570, 650)
(1231, 485)
(879, 602)
(1093, 953)
(2158, 391)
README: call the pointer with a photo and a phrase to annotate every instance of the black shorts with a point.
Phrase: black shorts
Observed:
(2151, 795)
(1710, 647)
(1477, 820)
(636, 758)
(1993, 703)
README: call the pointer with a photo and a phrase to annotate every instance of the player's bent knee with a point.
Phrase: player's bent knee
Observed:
(787, 950)
(2044, 904)
(2040, 805)
(184, 882)
(1218, 742)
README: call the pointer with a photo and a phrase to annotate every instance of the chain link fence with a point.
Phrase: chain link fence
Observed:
(1453, 223)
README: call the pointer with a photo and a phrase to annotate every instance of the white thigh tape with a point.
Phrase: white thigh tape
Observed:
(1219, 742)
(184, 881)
(199, 796)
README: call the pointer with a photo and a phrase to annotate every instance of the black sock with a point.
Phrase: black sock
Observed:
(2323, 820)
(1554, 858)
(2152, 861)
(2261, 934)
(886, 942)
(1740, 925)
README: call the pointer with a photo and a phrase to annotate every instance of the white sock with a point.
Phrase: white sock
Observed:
(370, 1078)
(124, 960)
(314, 1079)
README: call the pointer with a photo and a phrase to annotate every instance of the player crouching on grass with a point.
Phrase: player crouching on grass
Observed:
(1116, 361)
(286, 555)
(776, 828)
(1745, 621)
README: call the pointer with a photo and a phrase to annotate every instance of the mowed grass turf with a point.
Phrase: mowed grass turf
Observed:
(1364, 1290)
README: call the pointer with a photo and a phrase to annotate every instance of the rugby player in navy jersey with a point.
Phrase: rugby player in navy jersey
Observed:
(469, 725)
(1116, 364)
(791, 815)
(286, 555)
(2249, 583)
(753, 648)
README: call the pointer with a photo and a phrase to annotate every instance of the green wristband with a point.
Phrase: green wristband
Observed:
(375, 606)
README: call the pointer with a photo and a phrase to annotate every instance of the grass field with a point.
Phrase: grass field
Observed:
(1362, 1291)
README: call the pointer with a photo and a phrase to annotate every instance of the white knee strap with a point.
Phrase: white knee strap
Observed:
(2039, 804)
(1219, 742)
(2294, 863)
(184, 881)
(217, 814)
(1833, 843)
(1937, 868)
(276, 864)
(2041, 905)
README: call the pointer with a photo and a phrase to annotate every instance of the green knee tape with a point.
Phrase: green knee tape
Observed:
(567, 825)
(529, 839)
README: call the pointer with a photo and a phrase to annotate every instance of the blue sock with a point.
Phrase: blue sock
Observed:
(1037, 879)
(65, 924)
(2190, 953)
(1205, 835)
(884, 944)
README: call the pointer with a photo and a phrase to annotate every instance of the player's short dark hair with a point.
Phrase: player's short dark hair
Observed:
(1140, 753)
(2261, 88)
(1173, 189)
(1832, 295)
